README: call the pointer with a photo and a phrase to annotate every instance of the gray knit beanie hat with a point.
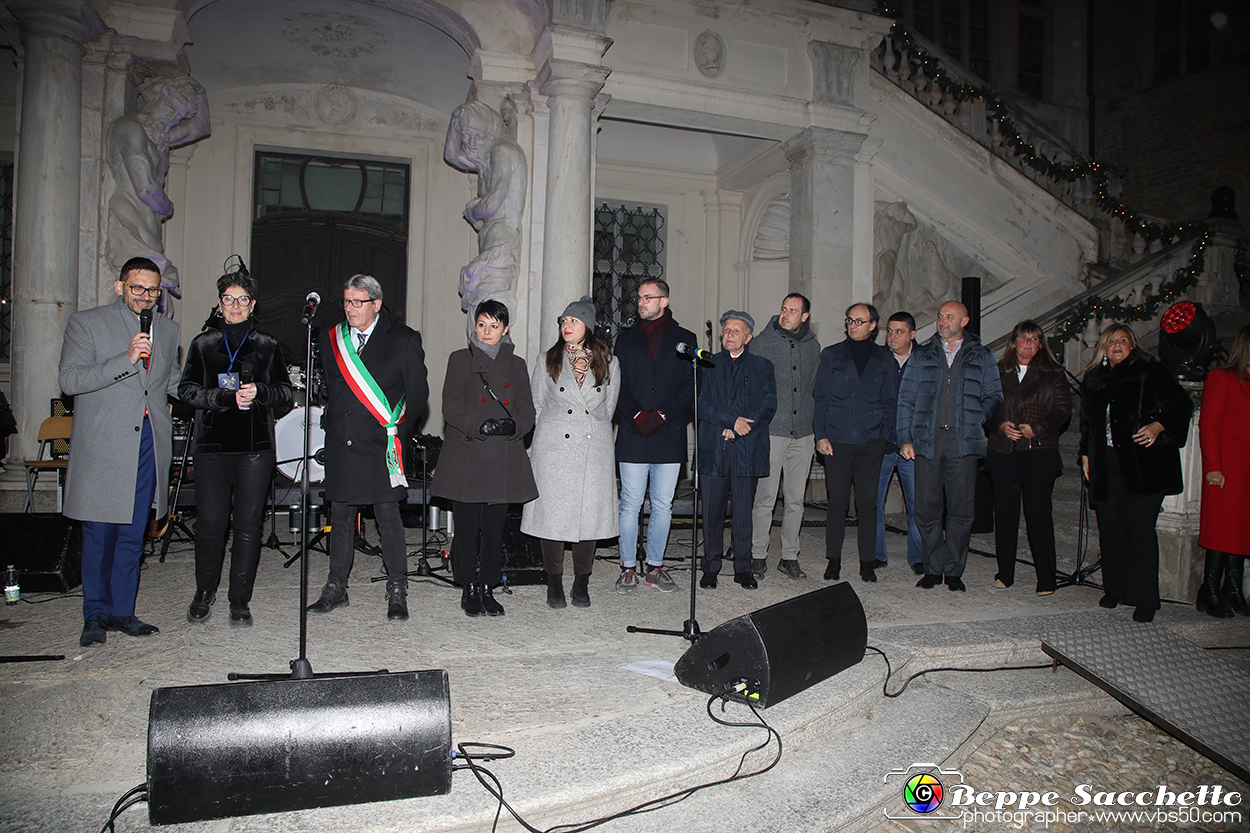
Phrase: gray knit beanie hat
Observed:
(583, 311)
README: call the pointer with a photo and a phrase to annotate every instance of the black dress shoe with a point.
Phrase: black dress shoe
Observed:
(396, 602)
(708, 581)
(240, 615)
(201, 606)
(866, 571)
(747, 580)
(492, 607)
(955, 583)
(878, 564)
(471, 601)
(131, 626)
(928, 582)
(332, 596)
(759, 566)
(1109, 601)
(93, 633)
(833, 570)
(1144, 614)
(918, 569)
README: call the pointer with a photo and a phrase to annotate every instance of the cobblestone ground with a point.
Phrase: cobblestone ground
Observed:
(1057, 752)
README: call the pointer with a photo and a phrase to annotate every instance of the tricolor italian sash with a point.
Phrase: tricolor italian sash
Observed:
(360, 380)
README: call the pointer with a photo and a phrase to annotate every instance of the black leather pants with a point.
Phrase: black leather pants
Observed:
(217, 476)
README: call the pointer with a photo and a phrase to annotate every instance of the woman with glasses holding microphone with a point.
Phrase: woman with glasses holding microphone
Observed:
(236, 378)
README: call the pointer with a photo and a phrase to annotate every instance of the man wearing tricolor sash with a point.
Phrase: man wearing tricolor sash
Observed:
(377, 389)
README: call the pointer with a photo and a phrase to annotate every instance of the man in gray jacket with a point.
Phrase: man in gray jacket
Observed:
(787, 341)
(120, 447)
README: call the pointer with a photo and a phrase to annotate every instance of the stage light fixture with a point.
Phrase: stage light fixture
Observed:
(1187, 341)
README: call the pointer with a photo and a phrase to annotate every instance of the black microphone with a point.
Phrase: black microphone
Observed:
(691, 350)
(145, 326)
(310, 307)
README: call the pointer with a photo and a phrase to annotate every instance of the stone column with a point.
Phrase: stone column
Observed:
(568, 244)
(46, 205)
(724, 282)
(830, 222)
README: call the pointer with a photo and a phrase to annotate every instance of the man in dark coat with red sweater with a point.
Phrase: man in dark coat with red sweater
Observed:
(375, 377)
(657, 390)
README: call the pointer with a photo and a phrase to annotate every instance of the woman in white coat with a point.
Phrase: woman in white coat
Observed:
(573, 457)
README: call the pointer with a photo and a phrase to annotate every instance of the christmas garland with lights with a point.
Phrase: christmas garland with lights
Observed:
(1115, 309)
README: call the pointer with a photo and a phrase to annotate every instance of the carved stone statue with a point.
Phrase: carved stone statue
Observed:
(477, 143)
(174, 113)
(890, 225)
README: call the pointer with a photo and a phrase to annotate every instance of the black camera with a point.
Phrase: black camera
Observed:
(498, 428)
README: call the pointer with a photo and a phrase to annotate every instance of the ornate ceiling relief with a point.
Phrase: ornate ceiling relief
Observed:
(333, 34)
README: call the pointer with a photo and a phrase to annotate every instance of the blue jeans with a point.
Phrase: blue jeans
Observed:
(906, 479)
(634, 477)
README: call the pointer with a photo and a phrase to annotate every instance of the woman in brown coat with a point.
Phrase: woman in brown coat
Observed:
(483, 466)
(1023, 454)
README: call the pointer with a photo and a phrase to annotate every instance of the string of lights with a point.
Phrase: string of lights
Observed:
(1094, 307)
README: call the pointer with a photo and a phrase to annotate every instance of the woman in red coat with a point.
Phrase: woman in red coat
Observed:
(1224, 430)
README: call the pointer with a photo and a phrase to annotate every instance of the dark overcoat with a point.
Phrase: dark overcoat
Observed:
(110, 396)
(220, 427)
(664, 384)
(852, 409)
(355, 448)
(492, 469)
(732, 389)
(1137, 392)
(1224, 431)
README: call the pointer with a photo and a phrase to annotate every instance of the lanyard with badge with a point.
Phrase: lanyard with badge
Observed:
(230, 379)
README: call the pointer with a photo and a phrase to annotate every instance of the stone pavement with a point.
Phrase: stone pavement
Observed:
(592, 738)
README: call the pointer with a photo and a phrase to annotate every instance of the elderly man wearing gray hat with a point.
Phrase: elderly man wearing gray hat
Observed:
(736, 403)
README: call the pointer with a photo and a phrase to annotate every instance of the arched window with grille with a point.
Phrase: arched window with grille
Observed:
(629, 247)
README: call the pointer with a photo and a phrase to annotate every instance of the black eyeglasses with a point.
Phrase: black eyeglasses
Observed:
(357, 304)
(242, 300)
(858, 322)
(141, 291)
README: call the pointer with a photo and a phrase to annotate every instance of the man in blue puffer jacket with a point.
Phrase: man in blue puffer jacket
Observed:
(949, 389)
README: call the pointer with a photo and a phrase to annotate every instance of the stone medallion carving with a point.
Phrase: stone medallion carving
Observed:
(336, 106)
(709, 54)
(334, 35)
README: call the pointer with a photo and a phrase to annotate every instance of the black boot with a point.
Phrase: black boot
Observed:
(492, 607)
(581, 590)
(555, 591)
(1232, 593)
(396, 601)
(1210, 600)
(471, 601)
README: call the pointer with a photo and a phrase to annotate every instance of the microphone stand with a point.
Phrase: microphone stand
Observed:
(1080, 576)
(690, 628)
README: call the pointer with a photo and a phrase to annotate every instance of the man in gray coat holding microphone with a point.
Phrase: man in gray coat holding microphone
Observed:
(120, 363)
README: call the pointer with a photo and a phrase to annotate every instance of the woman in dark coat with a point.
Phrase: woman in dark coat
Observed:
(1134, 418)
(483, 466)
(236, 378)
(1023, 454)
(575, 393)
(1224, 431)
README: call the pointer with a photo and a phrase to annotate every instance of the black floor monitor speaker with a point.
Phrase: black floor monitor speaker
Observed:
(522, 554)
(237, 749)
(781, 649)
(46, 549)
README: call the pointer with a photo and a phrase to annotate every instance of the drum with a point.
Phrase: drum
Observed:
(289, 436)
